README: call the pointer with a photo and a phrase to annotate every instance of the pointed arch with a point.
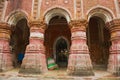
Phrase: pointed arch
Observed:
(55, 43)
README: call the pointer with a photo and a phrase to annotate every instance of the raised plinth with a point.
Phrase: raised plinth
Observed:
(114, 64)
(34, 63)
(34, 60)
(80, 65)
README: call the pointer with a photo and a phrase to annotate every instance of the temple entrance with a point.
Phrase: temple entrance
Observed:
(18, 41)
(58, 40)
(98, 40)
(61, 53)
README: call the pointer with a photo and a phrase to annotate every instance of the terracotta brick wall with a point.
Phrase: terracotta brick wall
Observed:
(94, 3)
(47, 4)
(26, 5)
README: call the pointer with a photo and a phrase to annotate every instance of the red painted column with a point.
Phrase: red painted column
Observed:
(114, 57)
(79, 58)
(5, 56)
(35, 59)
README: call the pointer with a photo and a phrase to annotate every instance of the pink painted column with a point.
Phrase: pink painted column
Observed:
(114, 57)
(5, 56)
(79, 58)
(35, 59)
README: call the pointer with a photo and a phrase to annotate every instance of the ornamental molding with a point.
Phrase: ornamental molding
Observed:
(38, 24)
(114, 25)
(5, 26)
(115, 22)
(78, 23)
(37, 35)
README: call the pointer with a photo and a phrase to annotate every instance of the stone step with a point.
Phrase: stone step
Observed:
(99, 67)
(53, 78)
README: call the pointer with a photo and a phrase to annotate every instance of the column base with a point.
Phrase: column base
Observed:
(34, 63)
(114, 64)
(5, 56)
(5, 62)
(80, 65)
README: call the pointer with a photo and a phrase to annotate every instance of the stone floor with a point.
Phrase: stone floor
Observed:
(55, 75)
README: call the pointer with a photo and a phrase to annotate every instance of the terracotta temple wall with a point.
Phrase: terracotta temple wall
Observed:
(79, 12)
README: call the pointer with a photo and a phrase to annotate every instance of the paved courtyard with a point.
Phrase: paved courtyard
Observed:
(55, 75)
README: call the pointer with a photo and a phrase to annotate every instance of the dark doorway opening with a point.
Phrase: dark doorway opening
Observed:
(18, 41)
(57, 38)
(62, 53)
(98, 40)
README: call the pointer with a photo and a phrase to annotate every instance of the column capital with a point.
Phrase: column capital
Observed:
(5, 26)
(78, 24)
(114, 25)
(37, 24)
(5, 31)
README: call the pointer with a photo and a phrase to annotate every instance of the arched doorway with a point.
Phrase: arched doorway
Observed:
(61, 52)
(57, 27)
(18, 41)
(98, 40)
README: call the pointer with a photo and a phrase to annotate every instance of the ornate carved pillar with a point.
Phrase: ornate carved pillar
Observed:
(114, 57)
(5, 56)
(79, 58)
(35, 59)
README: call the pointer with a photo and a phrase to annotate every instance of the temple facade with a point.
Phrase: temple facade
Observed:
(79, 35)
